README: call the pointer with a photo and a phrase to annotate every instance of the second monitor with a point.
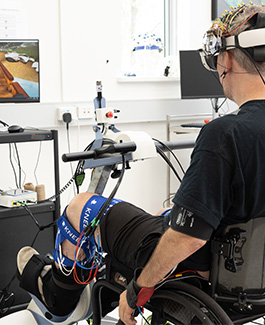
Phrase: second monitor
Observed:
(196, 81)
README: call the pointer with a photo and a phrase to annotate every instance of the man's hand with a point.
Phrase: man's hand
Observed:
(125, 312)
(172, 249)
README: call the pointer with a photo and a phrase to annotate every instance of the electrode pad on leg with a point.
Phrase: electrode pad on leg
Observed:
(66, 231)
(92, 208)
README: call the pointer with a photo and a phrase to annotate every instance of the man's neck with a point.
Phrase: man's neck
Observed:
(251, 88)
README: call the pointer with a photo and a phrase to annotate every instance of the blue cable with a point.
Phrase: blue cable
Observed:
(140, 312)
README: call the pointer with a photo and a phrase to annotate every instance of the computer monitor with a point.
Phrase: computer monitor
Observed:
(19, 71)
(196, 81)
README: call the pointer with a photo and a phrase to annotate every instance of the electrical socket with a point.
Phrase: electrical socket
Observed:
(85, 112)
(62, 110)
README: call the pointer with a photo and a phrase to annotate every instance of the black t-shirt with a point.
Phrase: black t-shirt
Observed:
(226, 178)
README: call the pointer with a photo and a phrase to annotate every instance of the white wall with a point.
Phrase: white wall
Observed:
(91, 34)
(76, 39)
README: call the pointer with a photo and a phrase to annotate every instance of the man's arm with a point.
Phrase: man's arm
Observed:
(173, 248)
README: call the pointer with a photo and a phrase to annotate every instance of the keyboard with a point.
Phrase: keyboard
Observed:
(193, 125)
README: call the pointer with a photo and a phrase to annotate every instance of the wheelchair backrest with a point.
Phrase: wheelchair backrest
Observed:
(241, 256)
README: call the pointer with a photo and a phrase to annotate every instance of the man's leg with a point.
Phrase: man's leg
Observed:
(60, 292)
(73, 213)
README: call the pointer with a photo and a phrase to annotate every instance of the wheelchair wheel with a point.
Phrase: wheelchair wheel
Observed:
(182, 303)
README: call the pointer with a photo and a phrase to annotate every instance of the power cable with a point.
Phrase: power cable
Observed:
(12, 165)
(171, 151)
(37, 163)
(163, 155)
(19, 165)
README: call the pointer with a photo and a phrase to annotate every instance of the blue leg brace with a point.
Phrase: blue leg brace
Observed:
(66, 231)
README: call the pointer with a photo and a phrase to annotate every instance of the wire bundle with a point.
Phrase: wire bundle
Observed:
(96, 262)
(222, 26)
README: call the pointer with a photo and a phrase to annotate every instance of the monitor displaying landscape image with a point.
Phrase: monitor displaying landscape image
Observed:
(19, 71)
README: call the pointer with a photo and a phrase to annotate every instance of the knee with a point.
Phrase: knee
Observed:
(75, 208)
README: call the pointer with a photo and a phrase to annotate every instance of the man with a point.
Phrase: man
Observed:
(224, 184)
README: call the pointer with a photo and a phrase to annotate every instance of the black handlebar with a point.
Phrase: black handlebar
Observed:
(175, 145)
(123, 147)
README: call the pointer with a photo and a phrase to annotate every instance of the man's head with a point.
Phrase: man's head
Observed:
(242, 33)
(235, 47)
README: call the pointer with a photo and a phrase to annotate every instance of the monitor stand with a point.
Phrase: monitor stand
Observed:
(214, 102)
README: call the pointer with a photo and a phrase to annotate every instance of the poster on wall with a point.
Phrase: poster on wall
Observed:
(219, 6)
(13, 19)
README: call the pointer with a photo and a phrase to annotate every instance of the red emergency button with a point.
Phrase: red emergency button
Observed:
(109, 114)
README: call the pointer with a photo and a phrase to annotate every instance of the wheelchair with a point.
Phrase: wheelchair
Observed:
(235, 293)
